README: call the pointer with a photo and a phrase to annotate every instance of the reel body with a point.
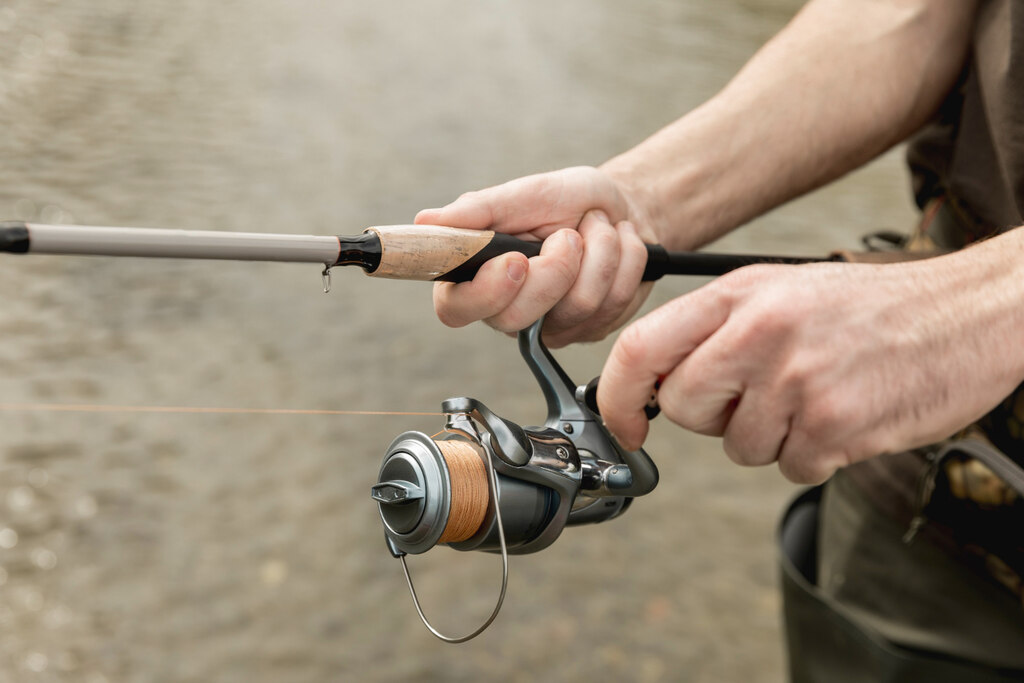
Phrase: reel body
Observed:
(485, 483)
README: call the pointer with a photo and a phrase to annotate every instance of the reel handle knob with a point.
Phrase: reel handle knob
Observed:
(587, 394)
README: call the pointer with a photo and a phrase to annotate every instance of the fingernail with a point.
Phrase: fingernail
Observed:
(516, 271)
(600, 215)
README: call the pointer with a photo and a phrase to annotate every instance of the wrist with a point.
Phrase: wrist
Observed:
(659, 199)
(969, 319)
(684, 180)
(643, 207)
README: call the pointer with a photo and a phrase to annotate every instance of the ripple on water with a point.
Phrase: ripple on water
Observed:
(57, 616)
(8, 538)
(21, 499)
(31, 46)
(29, 599)
(86, 507)
(25, 209)
(38, 477)
(7, 19)
(36, 662)
(44, 558)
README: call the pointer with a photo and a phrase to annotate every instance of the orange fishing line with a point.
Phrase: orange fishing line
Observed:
(102, 408)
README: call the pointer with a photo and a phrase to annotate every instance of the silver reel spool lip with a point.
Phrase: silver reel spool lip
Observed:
(416, 454)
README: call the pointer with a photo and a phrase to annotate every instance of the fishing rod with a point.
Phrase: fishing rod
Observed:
(404, 252)
(482, 482)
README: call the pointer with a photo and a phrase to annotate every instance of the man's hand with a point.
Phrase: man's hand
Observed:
(822, 365)
(587, 276)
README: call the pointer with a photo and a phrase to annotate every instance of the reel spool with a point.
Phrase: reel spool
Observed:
(485, 483)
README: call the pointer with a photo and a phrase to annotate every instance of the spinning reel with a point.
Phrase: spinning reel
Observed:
(485, 483)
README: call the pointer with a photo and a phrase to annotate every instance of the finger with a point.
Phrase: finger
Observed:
(678, 401)
(597, 271)
(625, 294)
(429, 217)
(806, 458)
(628, 291)
(490, 291)
(653, 346)
(756, 430)
(703, 390)
(804, 467)
(471, 210)
(539, 204)
(551, 275)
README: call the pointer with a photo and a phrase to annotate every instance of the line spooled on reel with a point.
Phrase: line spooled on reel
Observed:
(485, 483)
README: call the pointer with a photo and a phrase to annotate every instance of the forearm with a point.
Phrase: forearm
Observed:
(841, 83)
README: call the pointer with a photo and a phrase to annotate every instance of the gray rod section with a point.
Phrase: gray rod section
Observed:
(195, 244)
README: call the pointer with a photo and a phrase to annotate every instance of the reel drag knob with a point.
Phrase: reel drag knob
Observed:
(431, 492)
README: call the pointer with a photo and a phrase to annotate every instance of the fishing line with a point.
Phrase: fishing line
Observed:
(470, 493)
(105, 408)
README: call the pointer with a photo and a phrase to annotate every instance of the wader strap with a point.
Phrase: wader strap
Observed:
(1003, 467)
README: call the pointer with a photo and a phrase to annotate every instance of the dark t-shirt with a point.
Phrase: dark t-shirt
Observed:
(973, 153)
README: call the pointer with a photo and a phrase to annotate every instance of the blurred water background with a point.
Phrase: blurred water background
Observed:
(155, 547)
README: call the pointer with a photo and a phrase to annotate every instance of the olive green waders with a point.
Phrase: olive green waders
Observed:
(886, 610)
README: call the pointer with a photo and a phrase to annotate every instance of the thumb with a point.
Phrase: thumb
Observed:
(471, 210)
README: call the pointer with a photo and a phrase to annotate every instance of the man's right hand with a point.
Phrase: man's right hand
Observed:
(587, 278)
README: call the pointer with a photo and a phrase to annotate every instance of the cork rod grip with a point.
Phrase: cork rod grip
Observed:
(434, 252)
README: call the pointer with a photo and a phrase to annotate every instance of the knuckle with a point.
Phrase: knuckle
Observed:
(618, 300)
(635, 247)
(631, 346)
(738, 451)
(824, 413)
(801, 470)
(557, 340)
(591, 334)
(563, 272)
(504, 323)
(450, 317)
(580, 305)
(688, 417)
(443, 308)
(745, 446)
(798, 376)
(606, 239)
(511, 319)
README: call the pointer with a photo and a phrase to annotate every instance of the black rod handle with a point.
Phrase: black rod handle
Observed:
(433, 252)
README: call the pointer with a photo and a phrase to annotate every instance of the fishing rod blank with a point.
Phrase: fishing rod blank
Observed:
(405, 252)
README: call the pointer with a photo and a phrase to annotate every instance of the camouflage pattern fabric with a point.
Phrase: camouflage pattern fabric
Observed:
(982, 516)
